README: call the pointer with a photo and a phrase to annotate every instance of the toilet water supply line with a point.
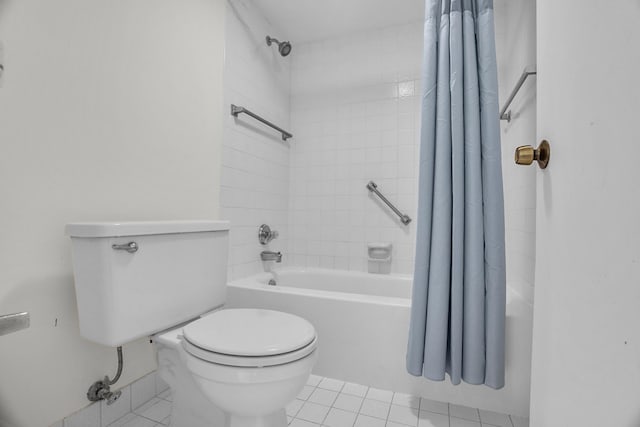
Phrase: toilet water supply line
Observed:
(101, 389)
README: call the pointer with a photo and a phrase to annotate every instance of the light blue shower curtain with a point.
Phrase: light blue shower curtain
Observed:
(458, 306)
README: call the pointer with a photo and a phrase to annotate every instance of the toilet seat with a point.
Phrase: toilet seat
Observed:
(249, 338)
(248, 361)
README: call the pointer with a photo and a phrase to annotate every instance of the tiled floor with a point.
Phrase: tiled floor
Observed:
(333, 403)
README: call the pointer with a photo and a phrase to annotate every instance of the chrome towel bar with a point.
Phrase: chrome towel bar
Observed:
(404, 218)
(504, 114)
(235, 110)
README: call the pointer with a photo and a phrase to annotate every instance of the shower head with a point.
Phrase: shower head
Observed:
(283, 47)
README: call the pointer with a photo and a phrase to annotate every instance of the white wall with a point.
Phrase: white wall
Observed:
(355, 113)
(255, 171)
(586, 348)
(516, 49)
(109, 110)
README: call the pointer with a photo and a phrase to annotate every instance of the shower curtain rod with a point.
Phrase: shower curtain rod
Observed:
(528, 71)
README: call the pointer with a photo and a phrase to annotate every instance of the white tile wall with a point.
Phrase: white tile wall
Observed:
(355, 113)
(148, 398)
(353, 105)
(255, 173)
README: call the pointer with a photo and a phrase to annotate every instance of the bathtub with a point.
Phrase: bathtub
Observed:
(362, 322)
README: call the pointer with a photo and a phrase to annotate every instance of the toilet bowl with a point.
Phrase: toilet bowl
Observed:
(248, 363)
(232, 368)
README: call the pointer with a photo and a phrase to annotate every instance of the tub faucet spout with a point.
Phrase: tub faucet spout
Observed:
(271, 256)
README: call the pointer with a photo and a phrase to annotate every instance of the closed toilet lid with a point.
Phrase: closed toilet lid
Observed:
(250, 332)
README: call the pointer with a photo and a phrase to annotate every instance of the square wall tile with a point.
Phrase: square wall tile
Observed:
(118, 409)
(143, 390)
(87, 417)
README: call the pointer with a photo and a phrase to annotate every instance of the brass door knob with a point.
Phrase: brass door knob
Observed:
(526, 154)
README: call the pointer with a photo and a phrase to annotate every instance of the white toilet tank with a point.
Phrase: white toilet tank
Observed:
(133, 279)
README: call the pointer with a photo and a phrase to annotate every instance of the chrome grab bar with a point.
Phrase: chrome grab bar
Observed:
(14, 322)
(404, 218)
(235, 110)
(504, 114)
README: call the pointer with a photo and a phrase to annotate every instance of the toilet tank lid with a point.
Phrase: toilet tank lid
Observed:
(142, 228)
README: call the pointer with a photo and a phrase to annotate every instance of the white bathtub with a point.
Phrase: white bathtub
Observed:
(362, 322)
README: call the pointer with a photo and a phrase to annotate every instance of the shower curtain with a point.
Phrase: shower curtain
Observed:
(458, 306)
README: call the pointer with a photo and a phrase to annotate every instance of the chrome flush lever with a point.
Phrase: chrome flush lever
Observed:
(131, 247)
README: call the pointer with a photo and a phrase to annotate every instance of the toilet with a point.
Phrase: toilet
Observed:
(167, 280)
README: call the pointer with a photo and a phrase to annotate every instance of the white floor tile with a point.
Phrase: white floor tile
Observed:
(118, 409)
(366, 421)
(296, 422)
(156, 409)
(313, 412)
(519, 421)
(459, 422)
(133, 420)
(375, 408)
(432, 419)
(408, 400)
(314, 380)
(305, 392)
(403, 415)
(464, 412)
(348, 402)
(57, 424)
(293, 407)
(166, 395)
(333, 403)
(355, 389)
(87, 417)
(323, 397)
(434, 406)
(495, 419)
(382, 395)
(340, 418)
(331, 384)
